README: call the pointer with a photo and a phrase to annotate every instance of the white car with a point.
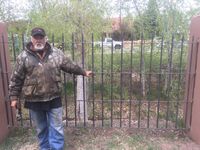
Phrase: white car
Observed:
(108, 43)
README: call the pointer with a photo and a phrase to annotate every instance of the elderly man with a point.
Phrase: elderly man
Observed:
(37, 78)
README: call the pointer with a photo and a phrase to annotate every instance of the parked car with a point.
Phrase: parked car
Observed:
(108, 43)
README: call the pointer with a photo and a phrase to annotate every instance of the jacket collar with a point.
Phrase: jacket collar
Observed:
(29, 45)
(47, 46)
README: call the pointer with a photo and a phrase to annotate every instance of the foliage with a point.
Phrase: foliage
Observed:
(173, 20)
(194, 11)
(6, 10)
(151, 19)
(67, 17)
(156, 20)
(126, 29)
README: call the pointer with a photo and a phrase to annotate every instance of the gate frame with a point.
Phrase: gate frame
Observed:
(6, 119)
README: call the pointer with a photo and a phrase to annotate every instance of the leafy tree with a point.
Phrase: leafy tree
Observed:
(168, 16)
(146, 18)
(126, 29)
(69, 16)
(194, 10)
(6, 11)
(151, 21)
(171, 18)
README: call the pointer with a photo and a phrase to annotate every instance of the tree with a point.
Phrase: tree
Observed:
(151, 19)
(166, 16)
(64, 16)
(6, 11)
(126, 29)
(194, 10)
(173, 17)
(146, 18)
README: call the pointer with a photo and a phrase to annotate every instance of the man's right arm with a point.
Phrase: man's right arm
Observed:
(16, 81)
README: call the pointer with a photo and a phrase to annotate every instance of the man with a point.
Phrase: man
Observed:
(37, 78)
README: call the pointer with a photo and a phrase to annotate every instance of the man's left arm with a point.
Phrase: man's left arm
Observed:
(70, 67)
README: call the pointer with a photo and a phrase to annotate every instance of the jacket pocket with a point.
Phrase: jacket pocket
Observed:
(29, 90)
(29, 87)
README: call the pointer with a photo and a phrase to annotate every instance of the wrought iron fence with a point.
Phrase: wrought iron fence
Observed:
(138, 84)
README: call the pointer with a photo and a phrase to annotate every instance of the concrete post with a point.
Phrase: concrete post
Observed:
(81, 99)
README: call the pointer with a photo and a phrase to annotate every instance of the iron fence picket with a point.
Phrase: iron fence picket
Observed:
(102, 81)
(93, 99)
(13, 48)
(23, 41)
(19, 109)
(159, 81)
(65, 84)
(20, 103)
(150, 70)
(170, 78)
(111, 94)
(74, 82)
(52, 38)
(131, 84)
(83, 65)
(179, 81)
(141, 74)
(121, 84)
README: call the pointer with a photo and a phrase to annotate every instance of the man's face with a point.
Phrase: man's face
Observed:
(38, 42)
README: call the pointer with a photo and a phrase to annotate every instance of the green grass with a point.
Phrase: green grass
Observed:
(103, 138)
(18, 137)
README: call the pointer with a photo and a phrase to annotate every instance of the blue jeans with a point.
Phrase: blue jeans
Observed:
(50, 128)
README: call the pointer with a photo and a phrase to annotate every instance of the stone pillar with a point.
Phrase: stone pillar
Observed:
(192, 97)
(81, 99)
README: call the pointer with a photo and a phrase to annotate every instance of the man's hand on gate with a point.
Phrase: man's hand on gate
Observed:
(89, 73)
(14, 103)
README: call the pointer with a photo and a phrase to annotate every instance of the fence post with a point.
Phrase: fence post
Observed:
(81, 89)
(5, 109)
(192, 97)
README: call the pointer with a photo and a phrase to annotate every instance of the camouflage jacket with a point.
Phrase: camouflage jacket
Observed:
(40, 80)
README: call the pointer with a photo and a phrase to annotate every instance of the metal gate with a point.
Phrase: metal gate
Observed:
(137, 84)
